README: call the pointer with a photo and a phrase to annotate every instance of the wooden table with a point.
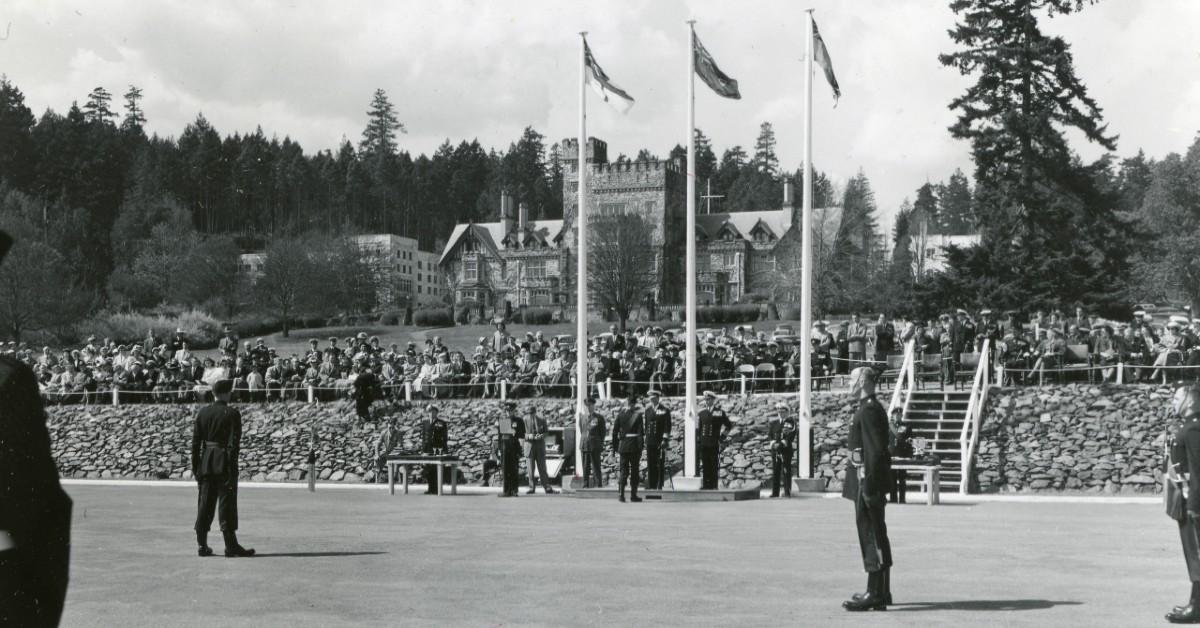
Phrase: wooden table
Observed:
(930, 477)
(405, 460)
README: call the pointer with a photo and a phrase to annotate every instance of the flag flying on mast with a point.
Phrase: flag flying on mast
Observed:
(712, 75)
(595, 76)
(821, 56)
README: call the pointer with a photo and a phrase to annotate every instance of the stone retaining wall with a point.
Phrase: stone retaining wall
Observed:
(1069, 438)
(152, 441)
(1078, 438)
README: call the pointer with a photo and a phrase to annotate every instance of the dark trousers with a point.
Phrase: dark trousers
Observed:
(872, 534)
(592, 476)
(216, 490)
(33, 576)
(781, 472)
(630, 462)
(899, 494)
(654, 467)
(1190, 535)
(510, 456)
(709, 471)
(537, 458)
(362, 407)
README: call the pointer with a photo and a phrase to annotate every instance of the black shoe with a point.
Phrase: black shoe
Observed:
(773, 495)
(635, 499)
(531, 491)
(204, 551)
(621, 498)
(1189, 614)
(237, 551)
(550, 491)
(865, 602)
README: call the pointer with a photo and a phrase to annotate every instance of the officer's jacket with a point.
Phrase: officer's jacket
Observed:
(433, 436)
(592, 431)
(709, 425)
(216, 438)
(869, 433)
(1185, 456)
(658, 425)
(627, 431)
(782, 433)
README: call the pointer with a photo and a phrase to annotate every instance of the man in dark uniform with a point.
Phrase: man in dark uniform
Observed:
(35, 513)
(712, 425)
(592, 431)
(657, 421)
(1183, 489)
(781, 433)
(628, 429)
(216, 442)
(365, 387)
(989, 330)
(433, 442)
(511, 431)
(870, 466)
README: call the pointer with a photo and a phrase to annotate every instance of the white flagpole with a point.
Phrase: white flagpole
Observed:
(689, 430)
(806, 324)
(581, 299)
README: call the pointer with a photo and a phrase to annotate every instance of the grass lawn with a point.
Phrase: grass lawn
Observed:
(364, 558)
(462, 337)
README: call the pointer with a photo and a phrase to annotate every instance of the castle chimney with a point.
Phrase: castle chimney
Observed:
(507, 216)
(789, 198)
(522, 217)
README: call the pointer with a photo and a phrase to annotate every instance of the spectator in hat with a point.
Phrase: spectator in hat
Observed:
(1168, 351)
(1050, 352)
(884, 338)
(228, 343)
(1106, 352)
(856, 337)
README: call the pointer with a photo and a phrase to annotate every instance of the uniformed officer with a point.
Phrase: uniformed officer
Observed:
(433, 443)
(712, 425)
(781, 432)
(870, 467)
(989, 330)
(657, 421)
(1183, 494)
(35, 513)
(510, 430)
(592, 431)
(365, 387)
(535, 450)
(216, 442)
(628, 429)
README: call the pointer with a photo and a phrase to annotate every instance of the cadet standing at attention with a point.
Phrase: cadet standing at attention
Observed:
(216, 442)
(433, 442)
(627, 443)
(781, 433)
(1183, 494)
(712, 426)
(511, 431)
(658, 438)
(871, 467)
(592, 431)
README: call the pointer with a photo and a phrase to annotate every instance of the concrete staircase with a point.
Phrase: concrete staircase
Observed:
(938, 416)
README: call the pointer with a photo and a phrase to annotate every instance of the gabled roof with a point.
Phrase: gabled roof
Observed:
(491, 234)
(825, 222)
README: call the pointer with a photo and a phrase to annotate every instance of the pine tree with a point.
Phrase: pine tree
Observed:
(98, 108)
(765, 160)
(16, 136)
(379, 138)
(956, 207)
(1050, 231)
(135, 118)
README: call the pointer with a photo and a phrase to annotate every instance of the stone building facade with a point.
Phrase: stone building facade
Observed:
(525, 262)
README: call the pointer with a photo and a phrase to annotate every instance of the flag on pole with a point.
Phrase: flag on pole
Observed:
(712, 75)
(613, 95)
(821, 56)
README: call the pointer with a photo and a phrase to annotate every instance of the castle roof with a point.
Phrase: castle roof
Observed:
(491, 234)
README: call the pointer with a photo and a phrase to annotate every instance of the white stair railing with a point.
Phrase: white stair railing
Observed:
(905, 378)
(969, 436)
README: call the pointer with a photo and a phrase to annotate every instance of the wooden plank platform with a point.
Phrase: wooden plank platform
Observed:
(668, 495)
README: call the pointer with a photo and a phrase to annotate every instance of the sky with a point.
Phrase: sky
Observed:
(463, 69)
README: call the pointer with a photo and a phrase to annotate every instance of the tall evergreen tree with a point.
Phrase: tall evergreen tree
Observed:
(16, 136)
(765, 160)
(956, 207)
(135, 118)
(1047, 225)
(379, 138)
(99, 106)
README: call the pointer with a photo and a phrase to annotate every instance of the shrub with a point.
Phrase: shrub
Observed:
(537, 316)
(200, 328)
(433, 317)
(462, 315)
(391, 317)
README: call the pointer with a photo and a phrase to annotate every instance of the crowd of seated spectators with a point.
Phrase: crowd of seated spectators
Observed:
(634, 361)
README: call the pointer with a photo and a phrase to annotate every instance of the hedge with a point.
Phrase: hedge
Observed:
(720, 314)
(536, 316)
(433, 317)
(200, 328)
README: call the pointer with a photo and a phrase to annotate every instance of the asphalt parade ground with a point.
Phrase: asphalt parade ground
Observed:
(364, 558)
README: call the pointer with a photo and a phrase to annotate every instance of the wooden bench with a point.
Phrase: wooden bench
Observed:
(931, 483)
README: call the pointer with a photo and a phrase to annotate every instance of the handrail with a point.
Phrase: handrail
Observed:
(905, 375)
(970, 428)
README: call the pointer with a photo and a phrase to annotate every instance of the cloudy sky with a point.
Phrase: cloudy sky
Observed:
(475, 69)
